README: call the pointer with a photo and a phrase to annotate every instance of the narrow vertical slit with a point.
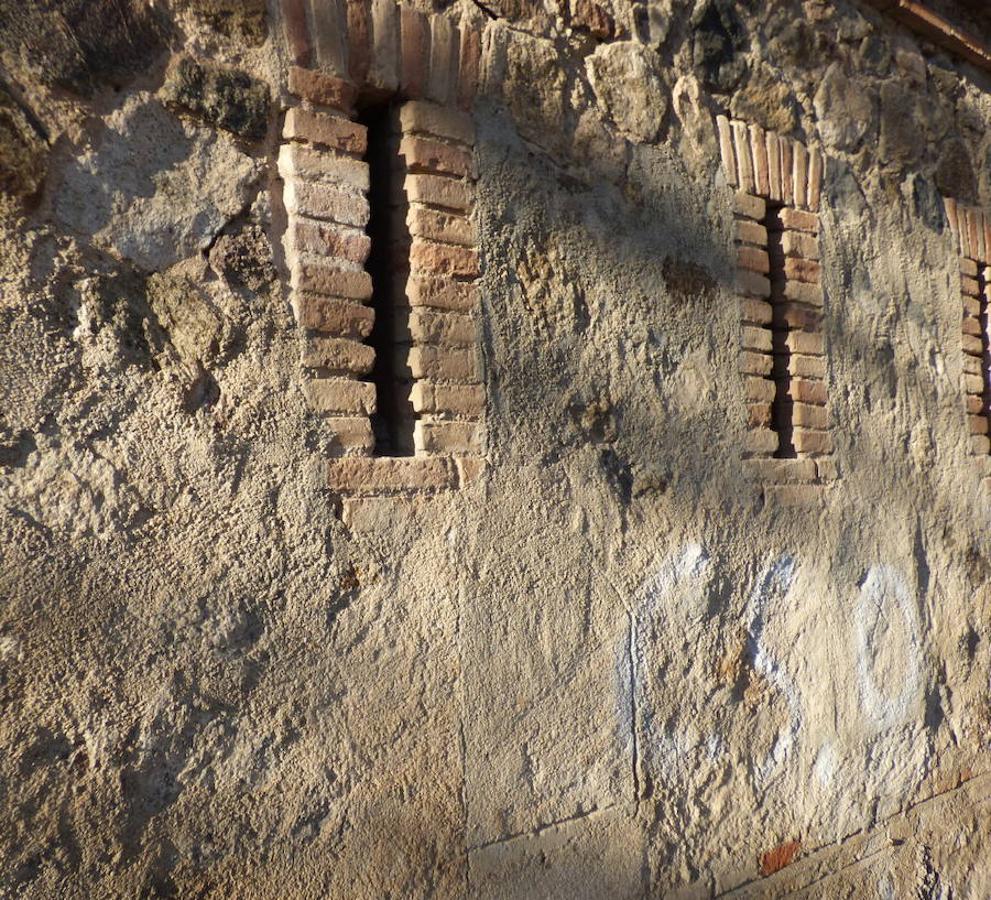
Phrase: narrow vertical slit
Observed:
(388, 264)
(782, 407)
(982, 290)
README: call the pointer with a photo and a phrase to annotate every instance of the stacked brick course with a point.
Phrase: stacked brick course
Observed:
(350, 55)
(778, 183)
(971, 230)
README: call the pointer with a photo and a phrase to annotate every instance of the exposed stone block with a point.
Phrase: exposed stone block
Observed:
(436, 190)
(340, 395)
(447, 437)
(451, 399)
(423, 117)
(325, 202)
(332, 316)
(380, 475)
(338, 354)
(425, 155)
(320, 88)
(335, 132)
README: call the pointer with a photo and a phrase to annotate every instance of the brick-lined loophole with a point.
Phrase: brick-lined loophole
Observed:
(388, 262)
(782, 407)
(982, 283)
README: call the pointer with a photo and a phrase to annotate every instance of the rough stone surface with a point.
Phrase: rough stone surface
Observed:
(607, 663)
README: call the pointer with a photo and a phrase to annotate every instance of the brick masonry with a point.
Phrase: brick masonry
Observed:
(346, 53)
(971, 231)
(778, 188)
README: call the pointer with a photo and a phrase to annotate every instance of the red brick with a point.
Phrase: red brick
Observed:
(800, 292)
(971, 306)
(752, 284)
(427, 257)
(310, 236)
(781, 471)
(444, 42)
(815, 179)
(800, 175)
(806, 391)
(755, 339)
(811, 442)
(339, 355)
(432, 327)
(747, 232)
(972, 365)
(325, 202)
(469, 66)
(335, 132)
(334, 316)
(320, 277)
(974, 384)
(974, 404)
(435, 225)
(442, 363)
(313, 165)
(744, 159)
(799, 220)
(980, 445)
(802, 366)
(441, 293)
(969, 286)
(972, 345)
(755, 363)
(758, 147)
(423, 117)
(796, 316)
(805, 342)
(753, 260)
(452, 399)
(773, 166)
(968, 267)
(971, 325)
(425, 155)
(350, 435)
(386, 59)
(748, 206)
(320, 88)
(808, 416)
(447, 437)
(340, 395)
(296, 31)
(437, 190)
(802, 270)
(760, 441)
(385, 475)
(795, 243)
(787, 172)
(759, 415)
(414, 51)
(758, 390)
(755, 312)
(978, 424)
(359, 40)
(794, 495)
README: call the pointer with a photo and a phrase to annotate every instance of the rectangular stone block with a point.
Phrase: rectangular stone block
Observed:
(335, 132)
(826, 469)
(338, 354)
(385, 474)
(971, 325)
(450, 399)
(798, 316)
(383, 73)
(787, 173)
(758, 149)
(971, 306)
(974, 404)
(427, 326)
(325, 202)
(815, 178)
(350, 435)
(972, 365)
(773, 166)
(759, 415)
(793, 495)
(436, 225)
(807, 366)
(447, 437)
(338, 317)
(430, 258)
(969, 286)
(799, 220)
(752, 338)
(980, 445)
(424, 155)
(322, 89)
(978, 424)
(800, 292)
(968, 267)
(423, 117)
(359, 39)
(470, 469)
(755, 363)
(437, 190)
(328, 21)
(801, 175)
(297, 31)
(340, 395)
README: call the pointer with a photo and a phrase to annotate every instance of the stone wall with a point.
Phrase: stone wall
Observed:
(597, 631)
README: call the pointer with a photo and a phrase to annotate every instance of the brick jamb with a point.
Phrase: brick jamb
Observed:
(430, 67)
(778, 281)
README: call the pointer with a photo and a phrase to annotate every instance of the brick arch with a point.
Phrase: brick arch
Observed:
(346, 54)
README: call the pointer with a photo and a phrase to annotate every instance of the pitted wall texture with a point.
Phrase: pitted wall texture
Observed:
(605, 654)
